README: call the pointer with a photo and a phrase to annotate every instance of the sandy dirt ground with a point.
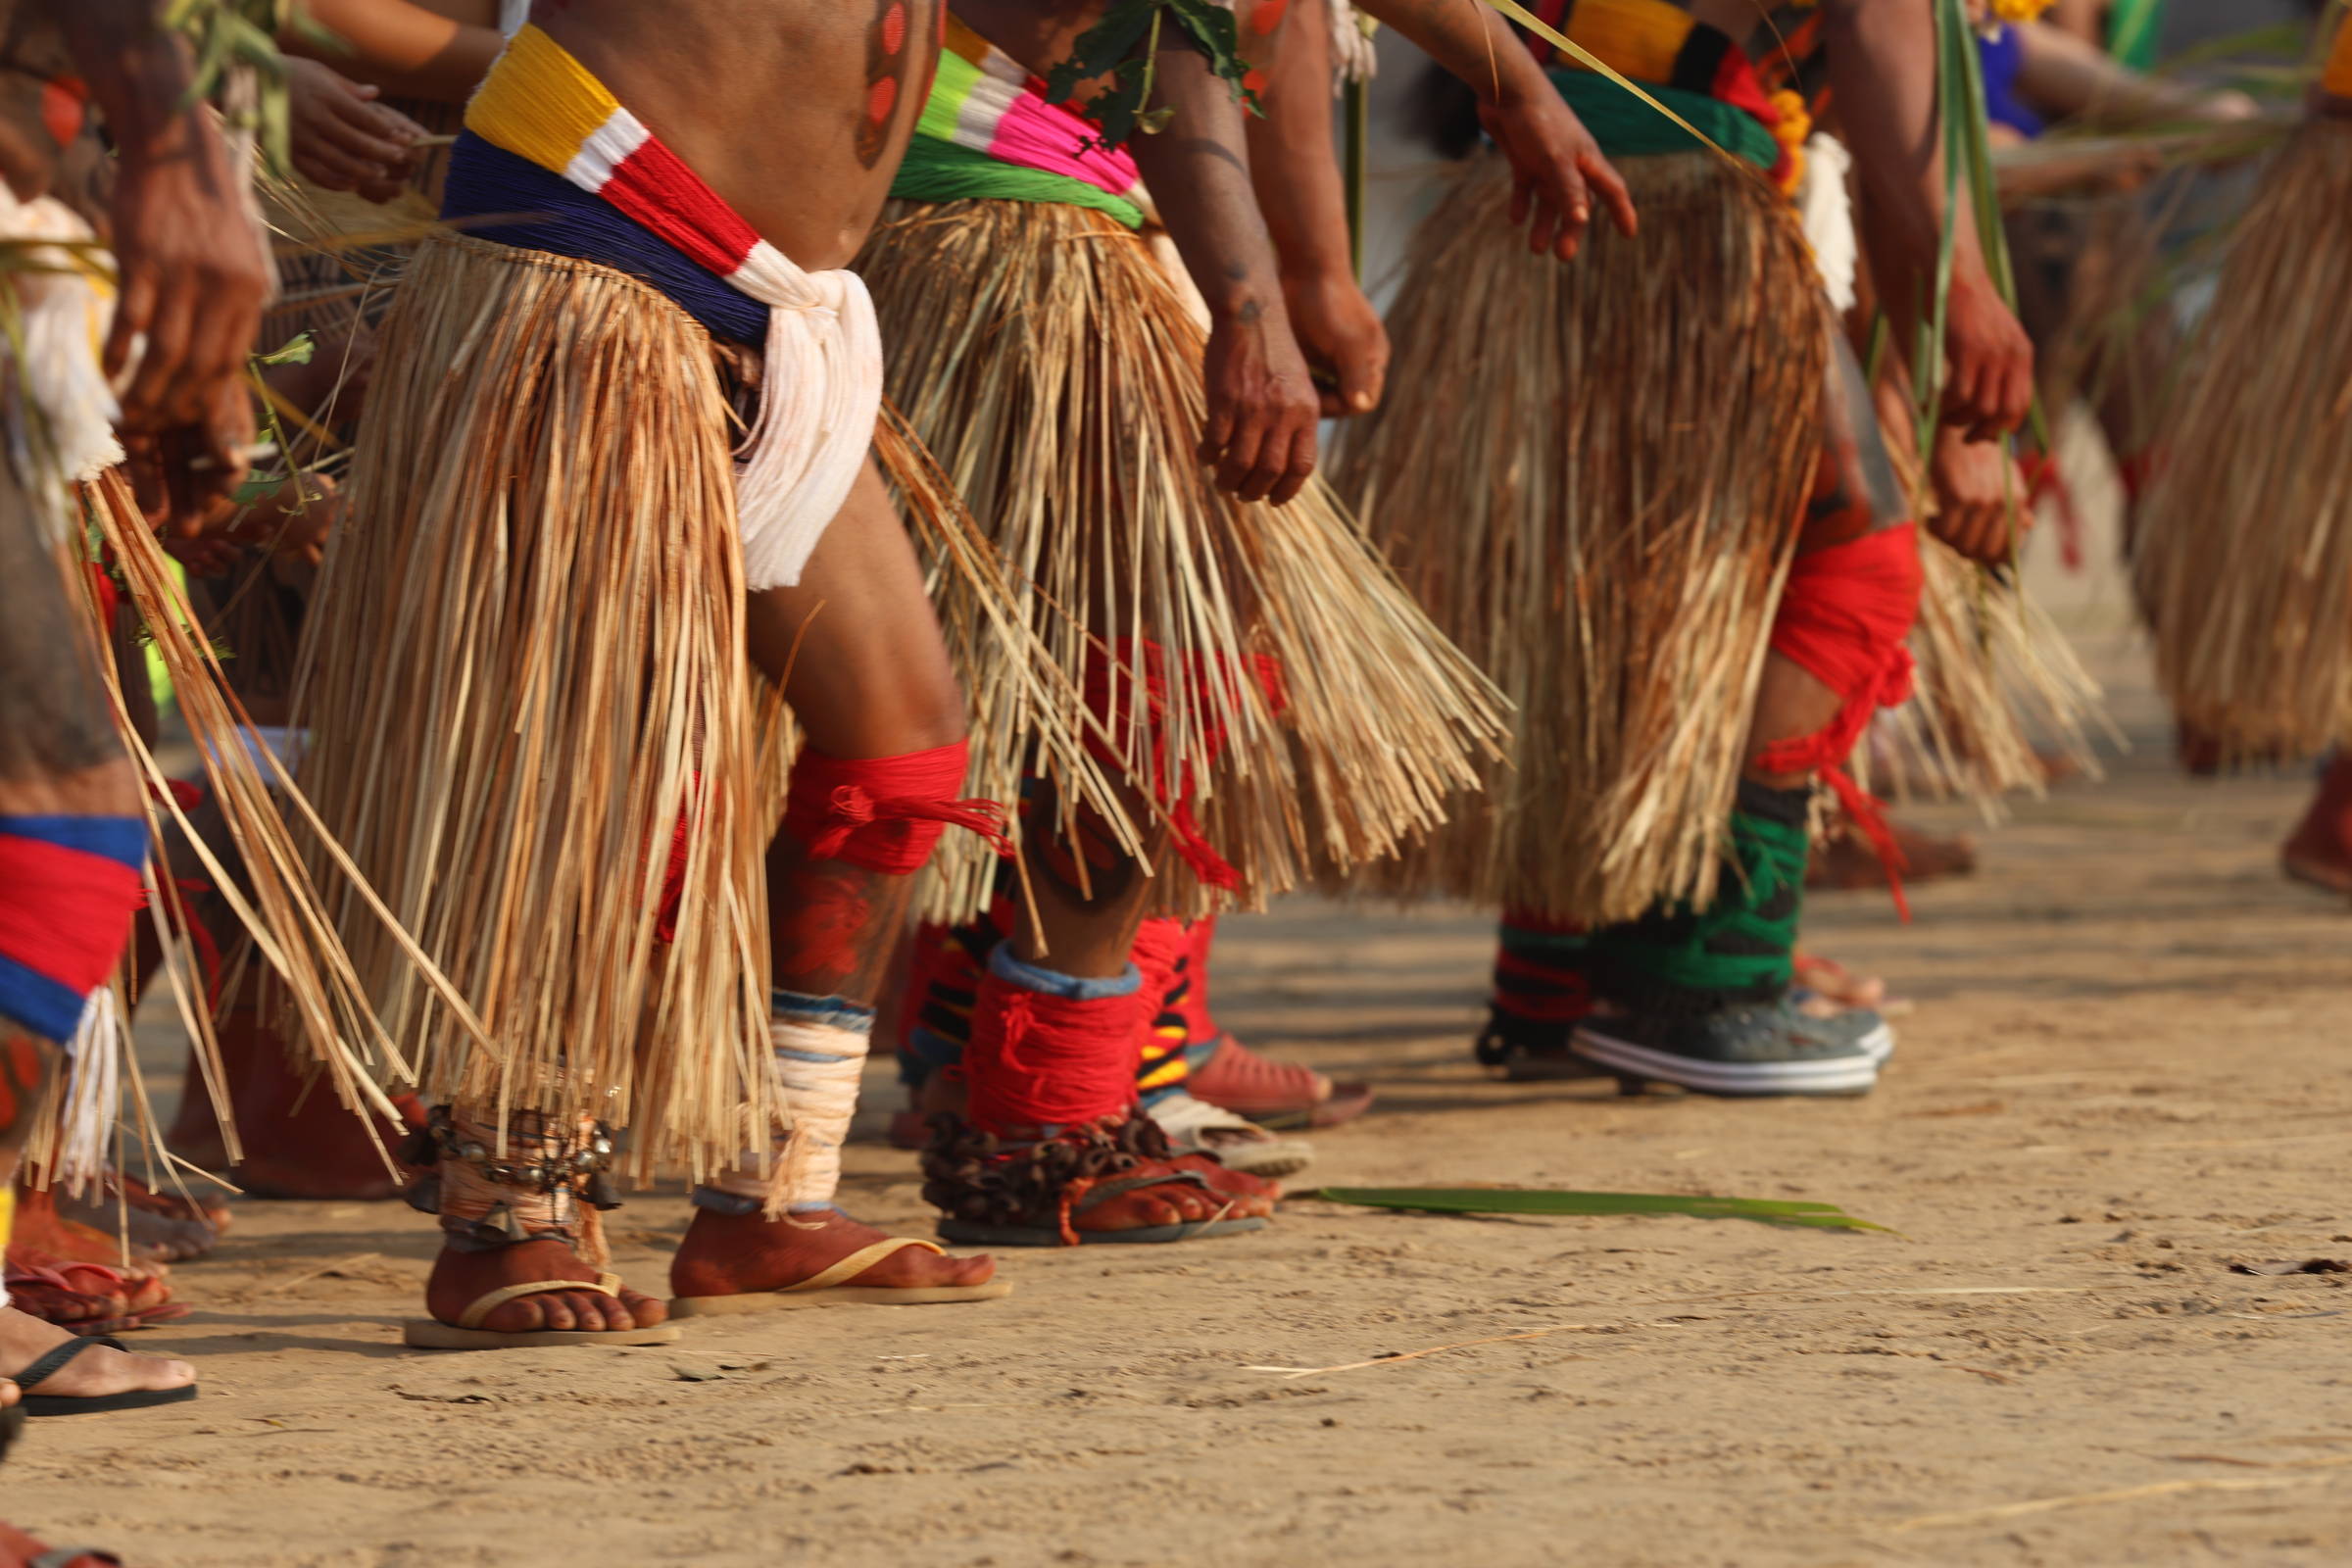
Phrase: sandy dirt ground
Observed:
(2126, 1074)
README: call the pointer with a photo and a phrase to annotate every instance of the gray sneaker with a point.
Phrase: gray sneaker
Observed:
(1765, 1049)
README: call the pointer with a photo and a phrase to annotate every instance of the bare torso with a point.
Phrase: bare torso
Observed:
(46, 144)
(795, 112)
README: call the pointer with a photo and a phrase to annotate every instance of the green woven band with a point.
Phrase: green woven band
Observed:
(1627, 128)
(937, 171)
(1682, 960)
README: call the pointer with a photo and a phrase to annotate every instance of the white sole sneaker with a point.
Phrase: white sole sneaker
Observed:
(1832, 1076)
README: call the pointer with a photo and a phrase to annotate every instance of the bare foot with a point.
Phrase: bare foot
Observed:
(1847, 860)
(739, 1254)
(1176, 1199)
(165, 1238)
(460, 1279)
(1834, 983)
(40, 1228)
(1228, 1182)
(2319, 850)
(58, 1291)
(24, 1339)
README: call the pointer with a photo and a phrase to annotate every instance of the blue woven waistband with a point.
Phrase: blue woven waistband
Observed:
(547, 213)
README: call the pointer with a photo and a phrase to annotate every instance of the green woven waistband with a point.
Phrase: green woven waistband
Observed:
(1627, 128)
(937, 171)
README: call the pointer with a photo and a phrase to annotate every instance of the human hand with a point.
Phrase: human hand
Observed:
(1980, 506)
(1556, 166)
(342, 139)
(1340, 334)
(293, 521)
(191, 274)
(1261, 406)
(1988, 374)
(186, 477)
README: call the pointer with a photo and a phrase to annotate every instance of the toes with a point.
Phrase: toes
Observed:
(528, 1315)
(637, 1311)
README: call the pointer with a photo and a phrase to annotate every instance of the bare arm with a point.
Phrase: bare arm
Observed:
(1882, 56)
(1557, 164)
(2086, 20)
(2071, 79)
(1294, 167)
(402, 48)
(191, 267)
(1262, 402)
(1293, 164)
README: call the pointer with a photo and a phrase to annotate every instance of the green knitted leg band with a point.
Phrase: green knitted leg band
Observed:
(1680, 959)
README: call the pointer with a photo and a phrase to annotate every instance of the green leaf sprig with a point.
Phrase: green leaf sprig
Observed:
(1124, 48)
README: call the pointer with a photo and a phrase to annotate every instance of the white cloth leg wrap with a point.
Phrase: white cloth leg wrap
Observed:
(818, 1065)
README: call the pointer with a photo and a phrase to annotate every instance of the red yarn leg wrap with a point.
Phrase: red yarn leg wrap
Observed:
(1843, 618)
(1162, 951)
(1139, 676)
(1199, 1023)
(1039, 1060)
(885, 814)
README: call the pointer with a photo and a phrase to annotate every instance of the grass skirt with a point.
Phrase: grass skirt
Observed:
(1053, 370)
(525, 667)
(2245, 558)
(1592, 476)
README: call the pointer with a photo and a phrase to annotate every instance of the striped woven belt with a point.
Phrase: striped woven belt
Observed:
(987, 133)
(1697, 70)
(542, 136)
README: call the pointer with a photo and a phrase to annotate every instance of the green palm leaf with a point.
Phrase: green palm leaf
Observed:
(1559, 1200)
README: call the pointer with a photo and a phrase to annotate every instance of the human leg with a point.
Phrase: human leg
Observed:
(543, 500)
(1696, 991)
(70, 843)
(859, 660)
(2319, 851)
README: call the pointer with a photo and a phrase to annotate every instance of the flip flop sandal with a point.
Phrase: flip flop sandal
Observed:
(975, 1233)
(828, 1288)
(87, 1279)
(1195, 1127)
(71, 1310)
(16, 1547)
(112, 1303)
(47, 1365)
(467, 1333)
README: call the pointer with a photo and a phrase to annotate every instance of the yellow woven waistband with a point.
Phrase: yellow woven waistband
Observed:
(2337, 77)
(1639, 37)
